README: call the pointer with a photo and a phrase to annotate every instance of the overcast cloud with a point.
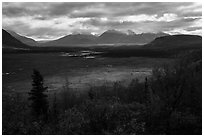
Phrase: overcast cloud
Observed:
(46, 21)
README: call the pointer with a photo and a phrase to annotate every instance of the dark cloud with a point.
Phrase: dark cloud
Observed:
(193, 28)
(54, 19)
(57, 9)
(87, 14)
(24, 9)
(85, 9)
(11, 11)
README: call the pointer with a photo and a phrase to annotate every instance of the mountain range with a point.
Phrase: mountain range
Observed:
(108, 37)
(160, 40)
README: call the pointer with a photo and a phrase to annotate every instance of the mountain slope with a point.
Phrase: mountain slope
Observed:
(23, 39)
(72, 40)
(177, 41)
(113, 36)
(148, 37)
(8, 41)
(108, 37)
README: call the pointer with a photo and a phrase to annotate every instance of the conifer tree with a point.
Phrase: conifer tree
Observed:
(39, 102)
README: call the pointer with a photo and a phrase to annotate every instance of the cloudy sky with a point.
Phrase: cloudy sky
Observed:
(46, 21)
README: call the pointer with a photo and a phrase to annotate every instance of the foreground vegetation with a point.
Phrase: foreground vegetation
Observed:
(168, 102)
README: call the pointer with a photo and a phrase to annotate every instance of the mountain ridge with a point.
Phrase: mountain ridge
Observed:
(107, 37)
(23, 39)
(8, 41)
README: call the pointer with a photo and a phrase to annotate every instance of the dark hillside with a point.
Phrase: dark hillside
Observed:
(23, 39)
(9, 41)
(167, 46)
(176, 41)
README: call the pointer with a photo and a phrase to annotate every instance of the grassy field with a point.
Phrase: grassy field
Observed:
(17, 69)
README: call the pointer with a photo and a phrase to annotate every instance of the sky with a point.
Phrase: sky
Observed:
(48, 21)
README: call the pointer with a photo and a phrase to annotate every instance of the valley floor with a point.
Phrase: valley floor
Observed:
(80, 73)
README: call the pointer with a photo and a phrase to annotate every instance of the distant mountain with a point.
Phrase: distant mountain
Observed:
(72, 40)
(8, 41)
(130, 32)
(177, 41)
(23, 39)
(108, 37)
(148, 37)
(112, 36)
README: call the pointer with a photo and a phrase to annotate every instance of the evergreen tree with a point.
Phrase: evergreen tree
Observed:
(39, 103)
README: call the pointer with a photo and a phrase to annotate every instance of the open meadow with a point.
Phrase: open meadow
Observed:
(80, 72)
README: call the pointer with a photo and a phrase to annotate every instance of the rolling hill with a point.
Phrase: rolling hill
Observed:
(175, 41)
